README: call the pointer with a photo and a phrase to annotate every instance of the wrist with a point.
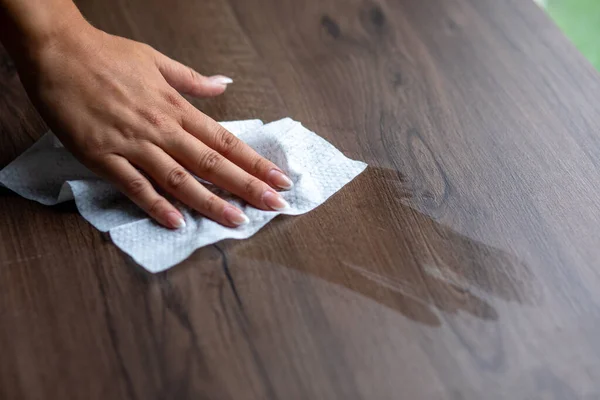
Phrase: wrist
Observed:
(30, 27)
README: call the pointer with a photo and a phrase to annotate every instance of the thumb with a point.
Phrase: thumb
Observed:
(186, 80)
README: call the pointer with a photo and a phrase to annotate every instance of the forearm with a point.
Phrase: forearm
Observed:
(26, 26)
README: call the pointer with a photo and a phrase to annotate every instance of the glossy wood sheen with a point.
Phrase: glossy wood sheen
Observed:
(463, 264)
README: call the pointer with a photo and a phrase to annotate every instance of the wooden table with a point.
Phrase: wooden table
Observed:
(463, 264)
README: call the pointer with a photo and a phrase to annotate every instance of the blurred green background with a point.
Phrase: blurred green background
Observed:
(580, 21)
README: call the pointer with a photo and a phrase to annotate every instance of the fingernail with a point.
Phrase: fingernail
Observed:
(235, 216)
(275, 201)
(277, 178)
(175, 220)
(221, 80)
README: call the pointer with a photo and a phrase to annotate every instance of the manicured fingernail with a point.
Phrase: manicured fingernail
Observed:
(235, 216)
(275, 201)
(221, 80)
(277, 178)
(175, 220)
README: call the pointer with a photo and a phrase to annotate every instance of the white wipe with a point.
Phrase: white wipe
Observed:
(49, 174)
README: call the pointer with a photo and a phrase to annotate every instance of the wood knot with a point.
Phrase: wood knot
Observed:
(330, 26)
(376, 16)
(372, 18)
(430, 184)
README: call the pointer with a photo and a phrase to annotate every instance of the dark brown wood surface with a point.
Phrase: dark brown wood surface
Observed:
(463, 264)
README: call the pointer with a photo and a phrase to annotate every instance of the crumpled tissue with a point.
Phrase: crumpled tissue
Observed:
(49, 174)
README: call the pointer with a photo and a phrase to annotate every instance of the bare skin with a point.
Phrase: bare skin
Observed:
(116, 105)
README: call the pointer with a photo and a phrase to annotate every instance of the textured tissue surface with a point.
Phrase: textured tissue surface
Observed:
(49, 174)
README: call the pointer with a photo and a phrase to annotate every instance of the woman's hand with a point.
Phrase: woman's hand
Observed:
(115, 104)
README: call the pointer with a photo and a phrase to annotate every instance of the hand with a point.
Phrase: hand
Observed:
(115, 104)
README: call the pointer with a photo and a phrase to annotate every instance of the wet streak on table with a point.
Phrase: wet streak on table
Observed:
(462, 264)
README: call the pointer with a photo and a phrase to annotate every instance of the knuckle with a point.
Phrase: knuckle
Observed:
(259, 165)
(226, 142)
(165, 136)
(211, 204)
(147, 48)
(135, 187)
(210, 162)
(156, 206)
(156, 118)
(128, 133)
(92, 146)
(146, 145)
(175, 100)
(176, 178)
(253, 187)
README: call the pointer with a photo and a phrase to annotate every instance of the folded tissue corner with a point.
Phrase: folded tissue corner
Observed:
(49, 174)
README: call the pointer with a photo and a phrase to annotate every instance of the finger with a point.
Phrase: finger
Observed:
(210, 165)
(172, 177)
(186, 80)
(135, 186)
(221, 140)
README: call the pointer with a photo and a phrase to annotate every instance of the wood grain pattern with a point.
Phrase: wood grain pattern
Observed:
(463, 264)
